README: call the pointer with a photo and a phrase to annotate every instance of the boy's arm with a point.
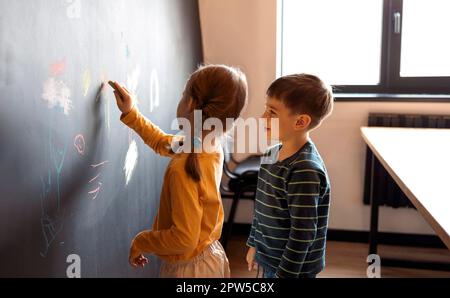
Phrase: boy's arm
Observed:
(251, 237)
(302, 196)
(151, 134)
(187, 212)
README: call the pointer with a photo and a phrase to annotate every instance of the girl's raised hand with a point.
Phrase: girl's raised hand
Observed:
(123, 97)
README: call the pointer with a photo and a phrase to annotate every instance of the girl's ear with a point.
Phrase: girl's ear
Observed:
(302, 122)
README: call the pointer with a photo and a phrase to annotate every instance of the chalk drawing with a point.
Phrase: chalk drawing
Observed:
(127, 51)
(57, 157)
(51, 225)
(51, 217)
(133, 82)
(79, 144)
(105, 100)
(99, 164)
(107, 116)
(74, 9)
(154, 90)
(95, 192)
(86, 80)
(57, 94)
(98, 175)
(58, 68)
(130, 161)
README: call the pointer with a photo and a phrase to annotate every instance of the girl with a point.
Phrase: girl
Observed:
(189, 222)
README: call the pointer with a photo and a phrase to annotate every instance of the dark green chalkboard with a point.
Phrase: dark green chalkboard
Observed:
(65, 187)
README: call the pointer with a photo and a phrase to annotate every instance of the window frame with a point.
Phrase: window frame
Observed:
(390, 80)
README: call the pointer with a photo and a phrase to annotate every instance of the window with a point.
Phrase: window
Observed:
(372, 46)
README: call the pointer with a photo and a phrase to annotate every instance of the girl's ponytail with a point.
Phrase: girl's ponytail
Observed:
(192, 167)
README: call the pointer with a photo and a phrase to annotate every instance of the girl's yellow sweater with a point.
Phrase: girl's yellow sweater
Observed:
(190, 214)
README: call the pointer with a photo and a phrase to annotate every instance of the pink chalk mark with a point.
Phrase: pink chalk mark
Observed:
(58, 67)
(79, 144)
(96, 191)
(94, 178)
(99, 164)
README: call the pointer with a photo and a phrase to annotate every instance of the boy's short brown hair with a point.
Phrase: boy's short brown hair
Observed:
(305, 94)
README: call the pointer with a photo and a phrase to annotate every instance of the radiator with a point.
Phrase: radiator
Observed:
(385, 190)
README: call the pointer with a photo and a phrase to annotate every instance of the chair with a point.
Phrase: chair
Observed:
(241, 184)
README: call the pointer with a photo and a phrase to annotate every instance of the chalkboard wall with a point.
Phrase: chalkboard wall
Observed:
(74, 180)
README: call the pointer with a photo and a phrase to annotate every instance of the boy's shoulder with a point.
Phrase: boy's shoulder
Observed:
(308, 161)
(308, 156)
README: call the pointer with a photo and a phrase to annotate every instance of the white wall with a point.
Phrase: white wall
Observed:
(243, 33)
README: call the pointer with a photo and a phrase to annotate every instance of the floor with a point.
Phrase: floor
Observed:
(345, 259)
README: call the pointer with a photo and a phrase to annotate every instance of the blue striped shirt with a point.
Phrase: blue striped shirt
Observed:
(291, 214)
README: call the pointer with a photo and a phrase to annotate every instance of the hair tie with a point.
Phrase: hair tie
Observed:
(197, 142)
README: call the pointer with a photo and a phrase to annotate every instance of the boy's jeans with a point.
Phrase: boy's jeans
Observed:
(271, 273)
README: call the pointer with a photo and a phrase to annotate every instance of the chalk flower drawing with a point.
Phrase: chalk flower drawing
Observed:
(130, 161)
(56, 94)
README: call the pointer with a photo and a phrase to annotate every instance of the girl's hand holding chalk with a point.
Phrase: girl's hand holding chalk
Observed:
(123, 97)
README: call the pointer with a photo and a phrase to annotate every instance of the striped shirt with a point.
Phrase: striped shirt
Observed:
(291, 214)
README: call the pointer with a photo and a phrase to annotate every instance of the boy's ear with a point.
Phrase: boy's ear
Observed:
(302, 122)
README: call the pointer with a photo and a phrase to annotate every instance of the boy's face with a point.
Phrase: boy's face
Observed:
(289, 123)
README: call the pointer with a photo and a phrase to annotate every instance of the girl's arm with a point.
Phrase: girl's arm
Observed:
(151, 134)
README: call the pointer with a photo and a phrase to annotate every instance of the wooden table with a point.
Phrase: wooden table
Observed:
(418, 159)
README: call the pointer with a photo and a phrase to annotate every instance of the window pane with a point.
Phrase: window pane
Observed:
(338, 40)
(425, 38)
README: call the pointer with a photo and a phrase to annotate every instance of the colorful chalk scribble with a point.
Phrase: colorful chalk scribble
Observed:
(86, 81)
(58, 68)
(130, 161)
(51, 212)
(95, 191)
(57, 94)
(80, 144)
(154, 90)
(99, 164)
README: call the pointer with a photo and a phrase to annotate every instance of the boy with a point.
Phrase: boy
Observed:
(288, 233)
